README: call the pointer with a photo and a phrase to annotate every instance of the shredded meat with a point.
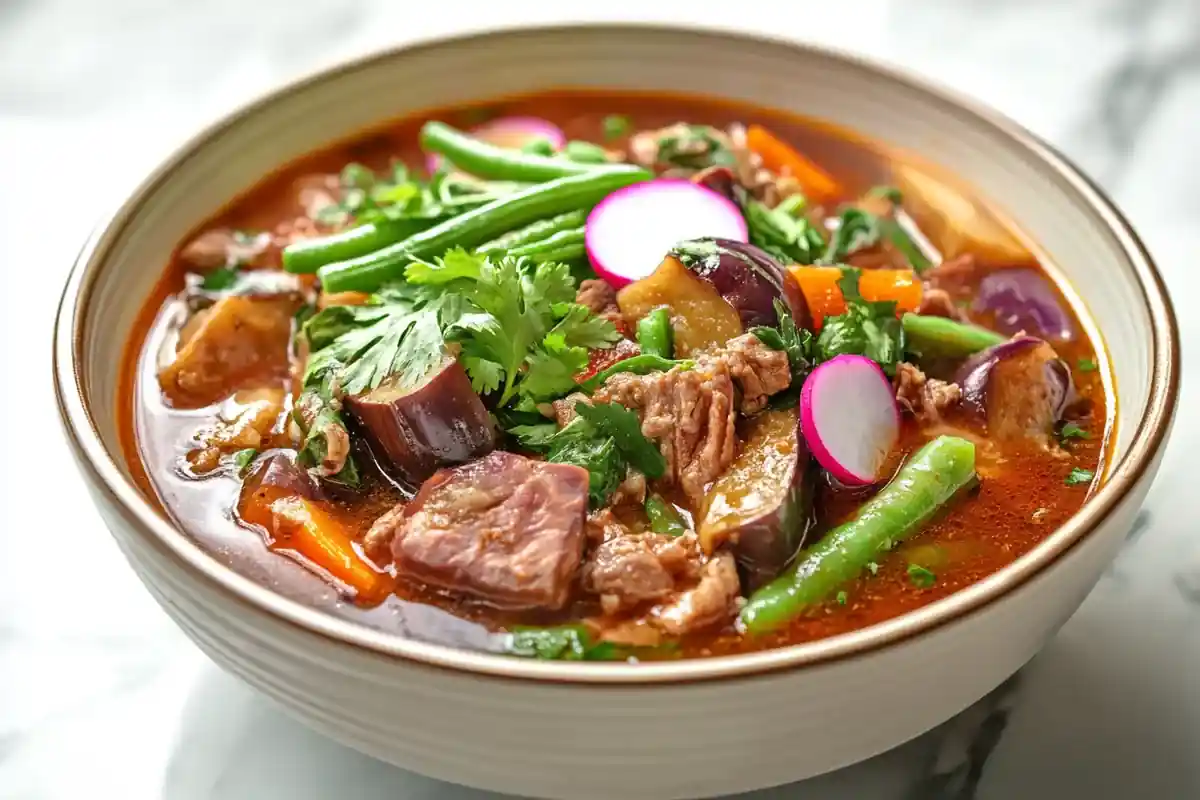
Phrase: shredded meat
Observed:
(221, 247)
(952, 272)
(337, 438)
(378, 542)
(758, 371)
(689, 413)
(563, 409)
(626, 571)
(707, 603)
(632, 489)
(938, 303)
(925, 398)
(600, 297)
(248, 424)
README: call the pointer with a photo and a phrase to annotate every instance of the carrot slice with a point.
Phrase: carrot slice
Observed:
(780, 157)
(820, 288)
(301, 527)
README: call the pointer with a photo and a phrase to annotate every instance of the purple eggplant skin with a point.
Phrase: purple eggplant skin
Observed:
(761, 508)
(1024, 300)
(748, 277)
(1019, 388)
(278, 470)
(418, 430)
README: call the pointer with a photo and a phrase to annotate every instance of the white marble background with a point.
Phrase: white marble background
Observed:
(100, 696)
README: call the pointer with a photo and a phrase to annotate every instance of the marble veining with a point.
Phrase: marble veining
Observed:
(101, 696)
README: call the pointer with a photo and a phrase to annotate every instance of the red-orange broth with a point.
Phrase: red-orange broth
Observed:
(1021, 498)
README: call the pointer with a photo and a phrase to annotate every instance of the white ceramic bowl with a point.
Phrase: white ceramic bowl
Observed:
(689, 729)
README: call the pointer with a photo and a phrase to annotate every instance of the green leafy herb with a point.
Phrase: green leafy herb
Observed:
(890, 193)
(1072, 431)
(869, 329)
(856, 230)
(921, 577)
(616, 126)
(580, 444)
(1087, 365)
(528, 338)
(791, 239)
(842, 597)
(219, 279)
(618, 422)
(242, 459)
(539, 146)
(572, 643)
(799, 345)
(664, 517)
(1078, 476)
(535, 436)
(694, 147)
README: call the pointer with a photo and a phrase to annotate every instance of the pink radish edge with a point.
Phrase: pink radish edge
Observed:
(633, 250)
(512, 132)
(865, 378)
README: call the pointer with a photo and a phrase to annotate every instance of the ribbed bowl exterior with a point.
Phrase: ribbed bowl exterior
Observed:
(602, 731)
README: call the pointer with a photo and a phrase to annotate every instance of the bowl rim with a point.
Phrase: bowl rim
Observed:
(104, 474)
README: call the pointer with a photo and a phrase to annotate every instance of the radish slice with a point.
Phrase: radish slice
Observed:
(514, 132)
(849, 418)
(631, 230)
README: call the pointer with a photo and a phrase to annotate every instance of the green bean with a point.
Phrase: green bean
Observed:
(562, 253)
(664, 517)
(930, 336)
(539, 147)
(308, 255)
(922, 486)
(654, 334)
(638, 365)
(557, 241)
(500, 163)
(367, 273)
(585, 152)
(534, 232)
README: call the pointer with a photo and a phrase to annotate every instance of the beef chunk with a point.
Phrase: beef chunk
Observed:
(248, 424)
(601, 298)
(925, 398)
(221, 247)
(938, 303)
(632, 569)
(757, 370)
(951, 273)
(238, 342)
(709, 602)
(505, 529)
(689, 413)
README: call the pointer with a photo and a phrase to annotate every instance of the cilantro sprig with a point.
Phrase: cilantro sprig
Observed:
(525, 338)
(867, 328)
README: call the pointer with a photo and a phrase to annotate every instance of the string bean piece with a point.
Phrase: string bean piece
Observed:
(534, 232)
(570, 240)
(929, 479)
(497, 163)
(654, 334)
(639, 365)
(367, 273)
(940, 337)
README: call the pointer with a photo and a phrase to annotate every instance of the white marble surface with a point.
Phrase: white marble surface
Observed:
(100, 696)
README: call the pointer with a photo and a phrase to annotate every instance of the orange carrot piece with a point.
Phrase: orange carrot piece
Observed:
(302, 527)
(820, 288)
(781, 158)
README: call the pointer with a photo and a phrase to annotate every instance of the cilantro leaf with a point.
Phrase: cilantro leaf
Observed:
(552, 368)
(580, 327)
(842, 597)
(219, 279)
(616, 126)
(920, 577)
(1087, 365)
(1072, 431)
(791, 239)
(856, 230)
(579, 444)
(866, 329)
(534, 436)
(625, 429)
(242, 460)
(1079, 476)
(799, 345)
